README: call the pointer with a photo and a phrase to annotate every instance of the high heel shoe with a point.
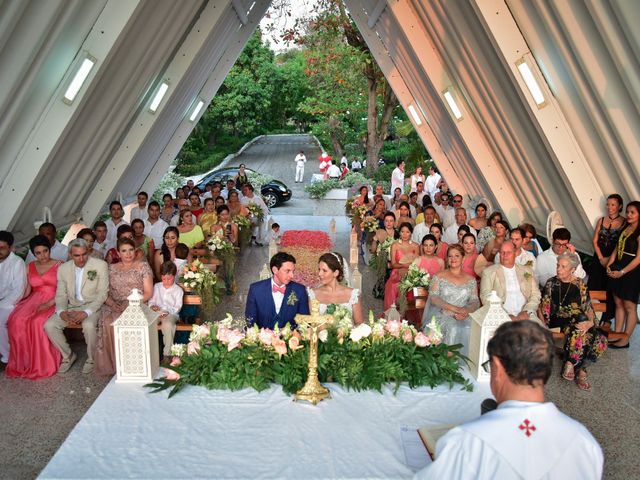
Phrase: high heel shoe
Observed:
(618, 347)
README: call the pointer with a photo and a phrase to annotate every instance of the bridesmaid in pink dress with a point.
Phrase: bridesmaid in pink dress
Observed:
(402, 253)
(470, 255)
(441, 248)
(33, 356)
(428, 260)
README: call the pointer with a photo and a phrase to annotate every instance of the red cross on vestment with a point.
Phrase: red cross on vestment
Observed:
(527, 427)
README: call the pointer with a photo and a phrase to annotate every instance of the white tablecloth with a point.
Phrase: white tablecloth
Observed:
(131, 433)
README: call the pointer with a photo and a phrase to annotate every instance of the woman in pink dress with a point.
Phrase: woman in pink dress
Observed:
(428, 260)
(470, 255)
(402, 253)
(124, 276)
(33, 356)
(441, 249)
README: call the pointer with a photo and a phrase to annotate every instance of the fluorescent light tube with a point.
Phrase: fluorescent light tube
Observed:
(415, 115)
(158, 97)
(196, 111)
(79, 79)
(532, 83)
(448, 96)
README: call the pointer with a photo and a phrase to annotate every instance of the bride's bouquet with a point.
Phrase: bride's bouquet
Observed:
(255, 211)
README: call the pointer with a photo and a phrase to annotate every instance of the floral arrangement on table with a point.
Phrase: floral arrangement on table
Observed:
(415, 277)
(306, 246)
(366, 357)
(196, 277)
(255, 211)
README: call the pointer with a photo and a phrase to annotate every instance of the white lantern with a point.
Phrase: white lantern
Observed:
(137, 348)
(484, 323)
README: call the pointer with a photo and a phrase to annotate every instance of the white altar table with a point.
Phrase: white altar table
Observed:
(199, 433)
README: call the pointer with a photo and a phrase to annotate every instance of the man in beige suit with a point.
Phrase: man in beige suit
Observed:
(515, 285)
(83, 285)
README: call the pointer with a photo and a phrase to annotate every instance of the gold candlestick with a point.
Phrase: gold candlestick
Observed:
(313, 391)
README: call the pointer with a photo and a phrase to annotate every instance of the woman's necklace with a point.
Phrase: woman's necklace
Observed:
(561, 302)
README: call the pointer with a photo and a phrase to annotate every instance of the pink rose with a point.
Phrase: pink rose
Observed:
(266, 336)
(223, 334)
(175, 362)
(421, 340)
(393, 327)
(294, 343)
(234, 339)
(193, 348)
(407, 336)
(296, 334)
(204, 331)
(171, 374)
(280, 347)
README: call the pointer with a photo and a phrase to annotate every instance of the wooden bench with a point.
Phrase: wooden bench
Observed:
(599, 303)
(180, 326)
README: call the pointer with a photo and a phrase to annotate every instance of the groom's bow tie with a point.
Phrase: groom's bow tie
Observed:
(275, 288)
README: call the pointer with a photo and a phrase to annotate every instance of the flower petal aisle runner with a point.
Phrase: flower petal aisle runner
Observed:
(306, 246)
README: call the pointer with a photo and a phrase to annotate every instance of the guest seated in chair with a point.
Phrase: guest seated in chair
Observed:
(524, 437)
(124, 276)
(566, 306)
(13, 281)
(515, 285)
(32, 354)
(82, 288)
(277, 300)
(124, 231)
(90, 237)
(58, 251)
(167, 302)
(453, 295)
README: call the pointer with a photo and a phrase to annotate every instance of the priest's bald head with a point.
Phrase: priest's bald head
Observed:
(521, 356)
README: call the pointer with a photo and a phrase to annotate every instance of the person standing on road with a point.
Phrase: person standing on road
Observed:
(300, 160)
(397, 177)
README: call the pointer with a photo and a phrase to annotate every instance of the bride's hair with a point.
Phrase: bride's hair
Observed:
(335, 262)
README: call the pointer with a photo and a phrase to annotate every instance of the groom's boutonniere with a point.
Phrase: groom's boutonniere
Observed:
(91, 275)
(527, 275)
(292, 299)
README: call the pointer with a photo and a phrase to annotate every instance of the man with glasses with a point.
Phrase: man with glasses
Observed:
(546, 262)
(525, 437)
(445, 211)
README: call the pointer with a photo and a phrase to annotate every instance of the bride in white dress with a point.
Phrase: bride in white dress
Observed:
(331, 291)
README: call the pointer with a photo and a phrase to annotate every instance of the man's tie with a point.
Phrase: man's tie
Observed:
(276, 288)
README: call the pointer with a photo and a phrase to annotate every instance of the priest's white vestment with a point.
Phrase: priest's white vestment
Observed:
(526, 440)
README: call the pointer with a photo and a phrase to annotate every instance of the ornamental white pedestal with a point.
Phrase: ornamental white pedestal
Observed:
(137, 348)
(484, 322)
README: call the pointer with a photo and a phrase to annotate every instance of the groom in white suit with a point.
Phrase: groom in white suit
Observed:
(83, 285)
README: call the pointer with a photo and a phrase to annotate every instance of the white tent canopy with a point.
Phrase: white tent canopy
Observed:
(526, 159)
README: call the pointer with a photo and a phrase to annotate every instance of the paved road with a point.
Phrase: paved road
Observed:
(273, 155)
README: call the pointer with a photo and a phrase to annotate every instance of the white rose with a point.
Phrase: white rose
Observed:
(361, 331)
(323, 335)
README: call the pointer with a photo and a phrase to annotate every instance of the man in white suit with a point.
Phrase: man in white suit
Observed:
(83, 285)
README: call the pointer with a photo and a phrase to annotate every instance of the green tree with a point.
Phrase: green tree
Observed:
(347, 83)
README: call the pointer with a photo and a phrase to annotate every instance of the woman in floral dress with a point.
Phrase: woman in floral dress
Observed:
(566, 305)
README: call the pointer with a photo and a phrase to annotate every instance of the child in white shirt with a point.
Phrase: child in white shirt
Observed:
(182, 258)
(274, 234)
(167, 301)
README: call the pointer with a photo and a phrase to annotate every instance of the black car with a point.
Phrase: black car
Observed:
(274, 192)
